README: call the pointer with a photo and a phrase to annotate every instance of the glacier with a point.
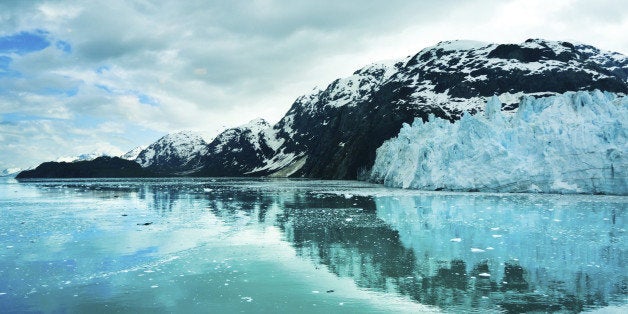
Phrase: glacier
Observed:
(567, 143)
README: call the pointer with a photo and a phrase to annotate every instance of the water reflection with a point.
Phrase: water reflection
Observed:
(521, 252)
(460, 252)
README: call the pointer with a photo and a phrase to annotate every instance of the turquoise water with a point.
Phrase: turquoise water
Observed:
(303, 246)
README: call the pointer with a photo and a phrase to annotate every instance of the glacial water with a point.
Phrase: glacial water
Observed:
(303, 246)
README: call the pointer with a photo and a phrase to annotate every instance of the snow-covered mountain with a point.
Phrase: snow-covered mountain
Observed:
(241, 150)
(334, 132)
(87, 156)
(10, 172)
(174, 153)
(134, 153)
(570, 143)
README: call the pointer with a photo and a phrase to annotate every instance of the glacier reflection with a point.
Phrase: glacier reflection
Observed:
(521, 252)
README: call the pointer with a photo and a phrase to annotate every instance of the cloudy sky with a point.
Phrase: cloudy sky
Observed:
(84, 76)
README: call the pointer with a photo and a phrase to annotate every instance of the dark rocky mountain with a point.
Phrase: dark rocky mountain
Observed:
(101, 167)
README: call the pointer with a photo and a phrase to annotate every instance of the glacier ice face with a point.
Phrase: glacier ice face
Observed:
(569, 143)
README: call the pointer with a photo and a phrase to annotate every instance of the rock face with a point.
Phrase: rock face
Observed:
(176, 153)
(333, 133)
(570, 143)
(101, 167)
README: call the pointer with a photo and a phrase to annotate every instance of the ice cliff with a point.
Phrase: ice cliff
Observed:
(569, 143)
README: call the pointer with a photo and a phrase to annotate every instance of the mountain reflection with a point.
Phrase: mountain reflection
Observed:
(514, 253)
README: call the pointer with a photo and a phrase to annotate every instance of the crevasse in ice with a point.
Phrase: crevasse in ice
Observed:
(570, 143)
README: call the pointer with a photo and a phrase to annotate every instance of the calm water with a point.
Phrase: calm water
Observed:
(298, 246)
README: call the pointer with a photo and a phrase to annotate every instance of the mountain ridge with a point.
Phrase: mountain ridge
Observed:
(445, 80)
(333, 132)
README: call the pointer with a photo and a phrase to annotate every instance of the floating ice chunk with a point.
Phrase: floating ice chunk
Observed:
(247, 299)
(348, 196)
(315, 291)
(154, 286)
(349, 219)
(207, 190)
(455, 239)
(484, 274)
(497, 236)
(476, 250)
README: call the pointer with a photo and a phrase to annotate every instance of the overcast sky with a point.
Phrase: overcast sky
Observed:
(83, 76)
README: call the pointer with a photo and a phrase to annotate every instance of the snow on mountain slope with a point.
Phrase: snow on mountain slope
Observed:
(174, 153)
(459, 76)
(134, 153)
(252, 132)
(569, 143)
(237, 151)
(349, 91)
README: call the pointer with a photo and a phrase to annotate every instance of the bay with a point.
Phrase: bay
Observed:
(285, 245)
